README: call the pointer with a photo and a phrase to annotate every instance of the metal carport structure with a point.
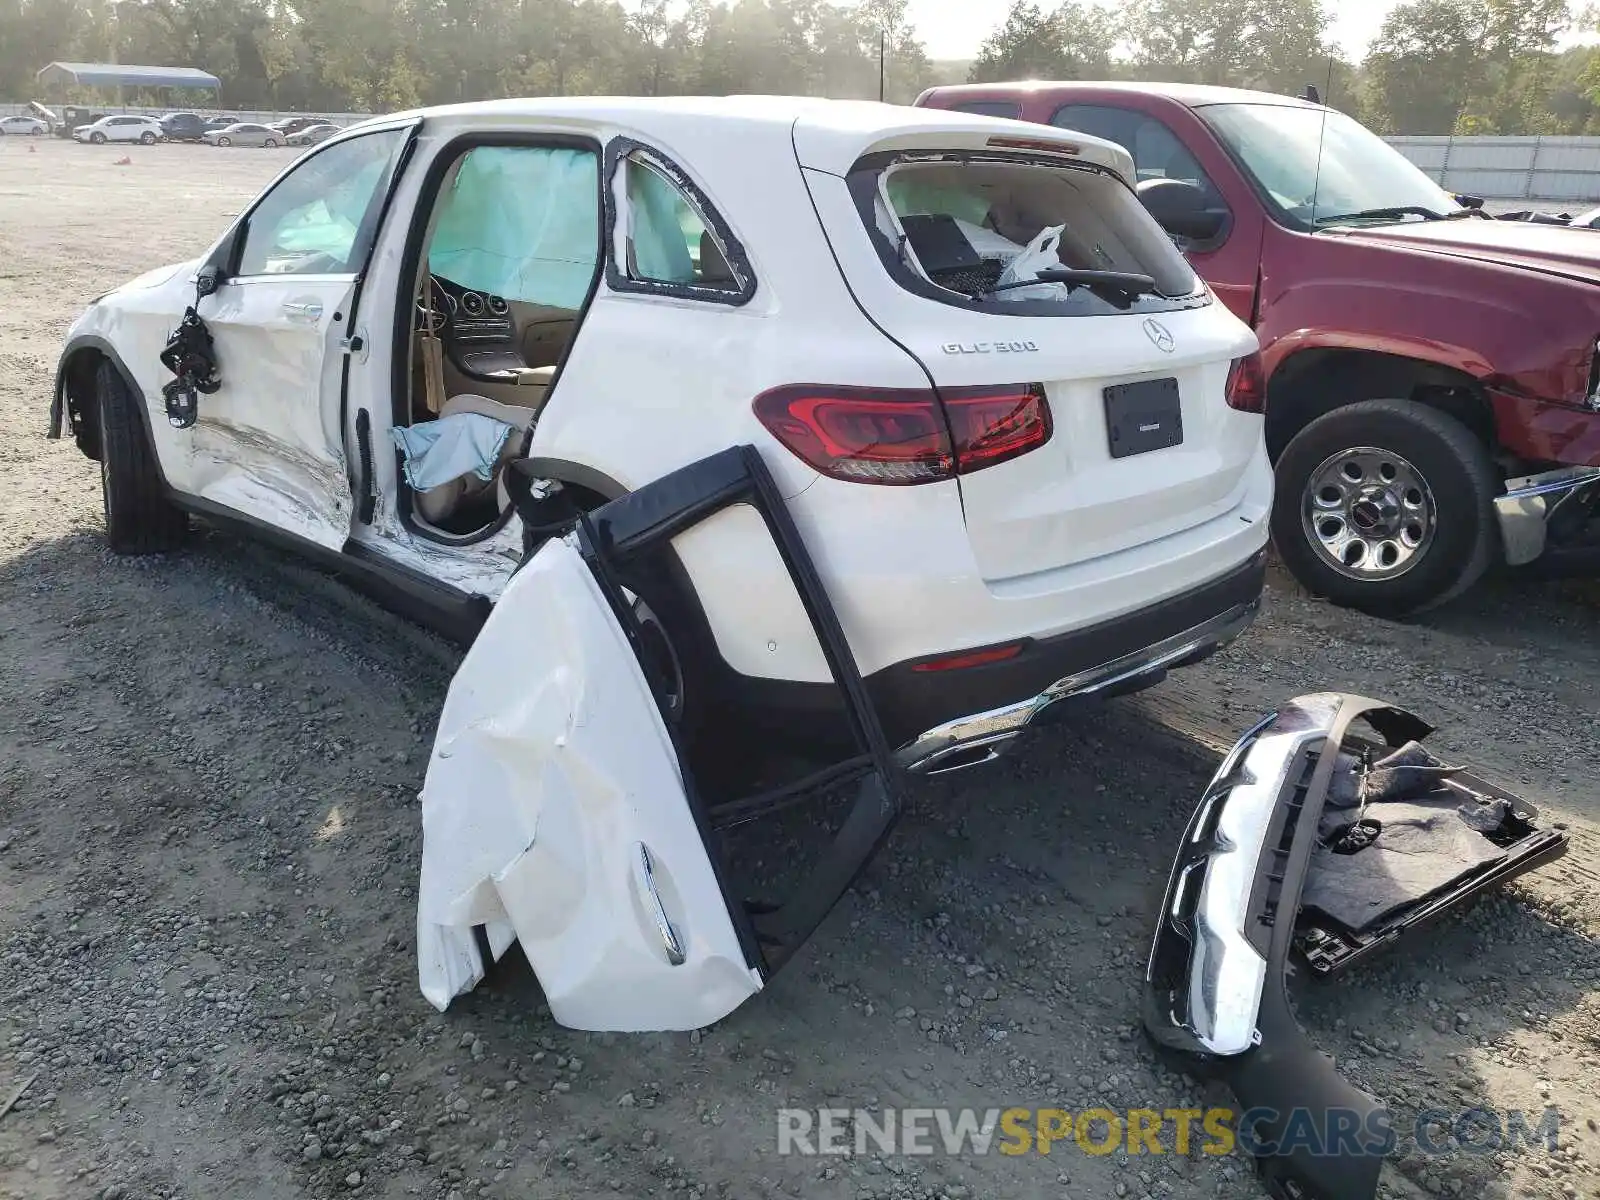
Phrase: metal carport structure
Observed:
(59, 76)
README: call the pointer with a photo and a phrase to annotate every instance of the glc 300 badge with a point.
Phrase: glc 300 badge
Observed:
(991, 347)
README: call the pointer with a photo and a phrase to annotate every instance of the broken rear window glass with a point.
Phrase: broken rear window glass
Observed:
(1019, 236)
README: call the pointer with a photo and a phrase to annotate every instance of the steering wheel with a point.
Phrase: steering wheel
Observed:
(433, 320)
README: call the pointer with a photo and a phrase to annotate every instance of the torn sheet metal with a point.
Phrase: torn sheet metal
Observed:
(1215, 988)
(555, 813)
(560, 811)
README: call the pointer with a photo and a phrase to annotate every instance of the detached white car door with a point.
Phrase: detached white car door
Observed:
(269, 443)
(555, 814)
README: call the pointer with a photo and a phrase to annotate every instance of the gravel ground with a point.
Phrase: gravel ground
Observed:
(209, 765)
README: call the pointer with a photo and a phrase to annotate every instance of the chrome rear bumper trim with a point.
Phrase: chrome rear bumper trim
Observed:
(995, 729)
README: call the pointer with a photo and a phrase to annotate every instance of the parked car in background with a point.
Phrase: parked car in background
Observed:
(183, 127)
(312, 135)
(125, 127)
(220, 122)
(244, 133)
(1433, 374)
(23, 127)
(290, 125)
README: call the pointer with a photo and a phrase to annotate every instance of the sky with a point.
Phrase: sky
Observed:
(954, 28)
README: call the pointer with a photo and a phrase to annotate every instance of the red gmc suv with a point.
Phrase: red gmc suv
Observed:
(1433, 398)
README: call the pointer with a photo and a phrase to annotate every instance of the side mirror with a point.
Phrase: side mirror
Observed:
(1468, 201)
(205, 281)
(1180, 208)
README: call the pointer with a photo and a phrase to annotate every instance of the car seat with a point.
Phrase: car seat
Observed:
(714, 268)
(437, 504)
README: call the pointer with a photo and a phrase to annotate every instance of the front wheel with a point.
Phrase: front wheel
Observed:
(139, 518)
(99, 139)
(272, 143)
(1386, 506)
(147, 138)
(222, 141)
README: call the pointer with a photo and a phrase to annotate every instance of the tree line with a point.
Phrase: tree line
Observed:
(378, 55)
(1436, 66)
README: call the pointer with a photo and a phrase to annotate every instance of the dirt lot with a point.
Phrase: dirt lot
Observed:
(209, 842)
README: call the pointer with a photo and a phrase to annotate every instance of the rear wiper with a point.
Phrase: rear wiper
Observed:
(1380, 214)
(1127, 283)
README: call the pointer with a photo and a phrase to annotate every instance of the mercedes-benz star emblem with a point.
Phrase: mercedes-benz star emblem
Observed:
(1159, 334)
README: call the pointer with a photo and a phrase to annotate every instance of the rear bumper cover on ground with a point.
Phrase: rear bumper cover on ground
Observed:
(1215, 988)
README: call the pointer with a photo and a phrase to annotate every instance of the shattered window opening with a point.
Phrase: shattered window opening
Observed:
(988, 232)
(310, 223)
(669, 240)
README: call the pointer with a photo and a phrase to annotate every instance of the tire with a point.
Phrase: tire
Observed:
(1412, 485)
(222, 141)
(98, 138)
(272, 143)
(35, 132)
(672, 658)
(139, 519)
(147, 138)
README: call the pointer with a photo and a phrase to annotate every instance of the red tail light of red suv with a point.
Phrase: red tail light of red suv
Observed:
(901, 436)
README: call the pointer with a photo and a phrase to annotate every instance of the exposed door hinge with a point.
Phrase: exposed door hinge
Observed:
(355, 346)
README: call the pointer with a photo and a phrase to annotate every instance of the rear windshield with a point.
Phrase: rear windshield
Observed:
(1020, 236)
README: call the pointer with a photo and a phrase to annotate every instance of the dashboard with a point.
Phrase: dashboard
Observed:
(476, 329)
(461, 315)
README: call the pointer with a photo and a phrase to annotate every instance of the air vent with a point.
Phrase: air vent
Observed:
(472, 304)
(498, 306)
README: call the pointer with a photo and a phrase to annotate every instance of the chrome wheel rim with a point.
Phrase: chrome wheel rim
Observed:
(1369, 514)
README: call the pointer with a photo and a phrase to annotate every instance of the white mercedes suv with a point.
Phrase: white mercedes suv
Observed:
(1020, 438)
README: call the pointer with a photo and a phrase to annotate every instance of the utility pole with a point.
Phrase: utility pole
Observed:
(883, 55)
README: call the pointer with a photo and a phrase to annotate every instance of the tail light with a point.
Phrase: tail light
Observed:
(972, 658)
(1247, 385)
(903, 435)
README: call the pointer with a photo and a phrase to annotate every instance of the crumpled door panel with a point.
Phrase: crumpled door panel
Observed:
(555, 812)
(561, 812)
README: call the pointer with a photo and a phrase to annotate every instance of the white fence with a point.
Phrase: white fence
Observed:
(1510, 168)
(1498, 168)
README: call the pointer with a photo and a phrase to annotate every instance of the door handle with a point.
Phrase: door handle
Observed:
(644, 881)
(309, 311)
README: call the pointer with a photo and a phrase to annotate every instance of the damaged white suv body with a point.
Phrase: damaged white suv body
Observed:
(1016, 436)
